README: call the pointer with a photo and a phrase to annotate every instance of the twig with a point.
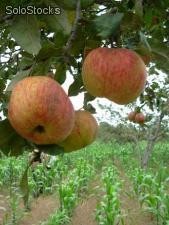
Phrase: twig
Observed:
(74, 29)
(99, 11)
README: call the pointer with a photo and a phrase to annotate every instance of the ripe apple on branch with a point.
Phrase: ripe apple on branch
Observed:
(117, 74)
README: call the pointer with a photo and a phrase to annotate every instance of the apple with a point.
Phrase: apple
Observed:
(131, 116)
(140, 118)
(40, 111)
(83, 133)
(117, 74)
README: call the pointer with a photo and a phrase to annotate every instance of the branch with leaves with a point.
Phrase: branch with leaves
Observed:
(74, 30)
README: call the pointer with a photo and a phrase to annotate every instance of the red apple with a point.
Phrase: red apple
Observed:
(131, 116)
(40, 111)
(140, 118)
(117, 74)
(83, 133)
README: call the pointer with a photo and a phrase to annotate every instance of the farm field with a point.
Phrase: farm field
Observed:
(100, 185)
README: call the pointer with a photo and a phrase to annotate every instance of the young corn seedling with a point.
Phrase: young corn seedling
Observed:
(108, 211)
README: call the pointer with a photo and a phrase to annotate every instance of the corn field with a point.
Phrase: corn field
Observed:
(108, 175)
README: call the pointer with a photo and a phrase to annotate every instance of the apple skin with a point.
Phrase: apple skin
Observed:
(131, 116)
(40, 111)
(117, 74)
(84, 132)
(140, 118)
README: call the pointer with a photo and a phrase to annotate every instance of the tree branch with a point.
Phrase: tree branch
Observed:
(74, 29)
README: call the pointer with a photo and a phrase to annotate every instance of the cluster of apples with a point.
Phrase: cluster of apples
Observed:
(41, 112)
(137, 117)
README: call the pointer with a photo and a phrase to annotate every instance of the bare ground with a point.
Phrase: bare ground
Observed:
(84, 213)
(41, 209)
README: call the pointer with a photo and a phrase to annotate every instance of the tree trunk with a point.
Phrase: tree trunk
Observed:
(154, 135)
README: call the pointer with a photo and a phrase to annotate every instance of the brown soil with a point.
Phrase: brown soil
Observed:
(130, 204)
(84, 213)
(40, 210)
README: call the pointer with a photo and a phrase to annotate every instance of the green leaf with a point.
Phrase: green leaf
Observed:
(60, 74)
(59, 23)
(10, 142)
(71, 4)
(47, 51)
(24, 186)
(41, 68)
(2, 86)
(161, 54)
(50, 149)
(86, 3)
(107, 24)
(88, 97)
(90, 43)
(90, 108)
(25, 63)
(148, 15)
(79, 42)
(25, 31)
(75, 87)
(130, 22)
(19, 76)
(144, 41)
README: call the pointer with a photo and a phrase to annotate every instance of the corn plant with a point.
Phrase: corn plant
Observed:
(152, 193)
(60, 217)
(108, 210)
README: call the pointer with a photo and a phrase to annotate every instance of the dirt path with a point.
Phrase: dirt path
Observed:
(40, 210)
(130, 204)
(84, 213)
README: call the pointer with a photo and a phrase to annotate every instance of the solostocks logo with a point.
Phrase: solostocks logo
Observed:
(32, 10)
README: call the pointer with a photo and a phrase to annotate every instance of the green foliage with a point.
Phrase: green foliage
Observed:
(60, 217)
(107, 25)
(25, 187)
(60, 74)
(152, 193)
(25, 31)
(10, 142)
(108, 210)
(120, 133)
